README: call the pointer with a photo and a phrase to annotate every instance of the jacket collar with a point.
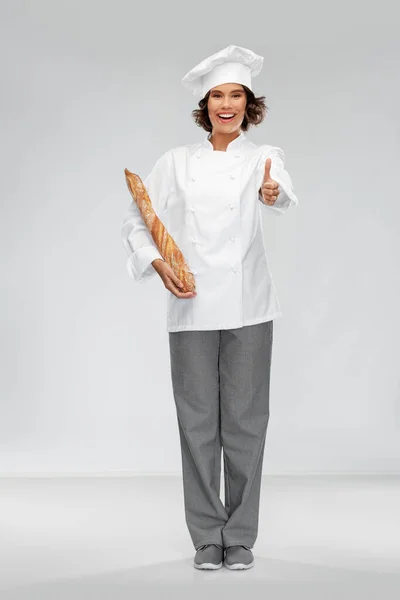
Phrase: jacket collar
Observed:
(232, 146)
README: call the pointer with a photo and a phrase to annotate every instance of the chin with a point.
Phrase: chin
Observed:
(225, 129)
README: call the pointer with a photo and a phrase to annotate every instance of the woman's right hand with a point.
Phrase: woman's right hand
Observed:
(170, 280)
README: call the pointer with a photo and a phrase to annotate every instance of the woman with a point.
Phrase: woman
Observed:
(209, 196)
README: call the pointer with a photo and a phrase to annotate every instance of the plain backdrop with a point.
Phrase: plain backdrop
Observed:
(91, 87)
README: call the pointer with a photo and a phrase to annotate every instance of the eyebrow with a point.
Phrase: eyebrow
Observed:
(231, 91)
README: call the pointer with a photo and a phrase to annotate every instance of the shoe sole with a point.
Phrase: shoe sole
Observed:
(239, 566)
(207, 566)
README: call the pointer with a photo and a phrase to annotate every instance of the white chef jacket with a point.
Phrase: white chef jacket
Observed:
(209, 202)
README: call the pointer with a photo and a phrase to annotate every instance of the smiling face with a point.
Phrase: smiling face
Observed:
(226, 99)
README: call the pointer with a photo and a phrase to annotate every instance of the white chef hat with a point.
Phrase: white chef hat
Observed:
(233, 64)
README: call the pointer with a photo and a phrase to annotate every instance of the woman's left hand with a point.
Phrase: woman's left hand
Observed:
(269, 187)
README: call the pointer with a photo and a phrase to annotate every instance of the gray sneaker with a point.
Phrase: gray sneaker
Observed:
(209, 556)
(238, 557)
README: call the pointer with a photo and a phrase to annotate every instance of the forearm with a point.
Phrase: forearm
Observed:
(139, 245)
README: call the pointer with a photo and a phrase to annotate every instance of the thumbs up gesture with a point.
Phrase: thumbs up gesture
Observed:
(269, 188)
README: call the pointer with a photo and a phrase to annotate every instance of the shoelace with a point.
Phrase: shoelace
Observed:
(205, 546)
(218, 546)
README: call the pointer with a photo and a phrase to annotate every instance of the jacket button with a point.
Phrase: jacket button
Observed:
(232, 176)
(193, 178)
(231, 206)
(193, 208)
(232, 239)
(234, 270)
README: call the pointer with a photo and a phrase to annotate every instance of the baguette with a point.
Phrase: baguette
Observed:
(164, 241)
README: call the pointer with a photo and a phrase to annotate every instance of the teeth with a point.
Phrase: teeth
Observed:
(225, 115)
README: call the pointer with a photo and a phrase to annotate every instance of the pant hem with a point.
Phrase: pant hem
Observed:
(227, 545)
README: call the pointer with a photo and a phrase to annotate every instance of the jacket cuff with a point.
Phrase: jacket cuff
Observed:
(139, 263)
(283, 201)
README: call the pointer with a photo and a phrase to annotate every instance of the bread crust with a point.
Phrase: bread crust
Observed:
(165, 243)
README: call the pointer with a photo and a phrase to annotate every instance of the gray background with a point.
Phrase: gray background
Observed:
(89, 88)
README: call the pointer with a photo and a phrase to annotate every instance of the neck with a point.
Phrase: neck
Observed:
(220, 140)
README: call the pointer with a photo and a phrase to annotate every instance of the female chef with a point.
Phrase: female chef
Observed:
(210, 196)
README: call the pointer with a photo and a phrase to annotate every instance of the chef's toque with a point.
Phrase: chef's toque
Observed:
(233, 64)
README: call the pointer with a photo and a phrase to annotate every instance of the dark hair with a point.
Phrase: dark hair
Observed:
(255, 112)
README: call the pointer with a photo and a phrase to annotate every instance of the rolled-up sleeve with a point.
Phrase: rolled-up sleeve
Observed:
(136, 238)
(286, 197)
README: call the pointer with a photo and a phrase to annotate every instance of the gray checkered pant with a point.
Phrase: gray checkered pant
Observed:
(221, 381)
